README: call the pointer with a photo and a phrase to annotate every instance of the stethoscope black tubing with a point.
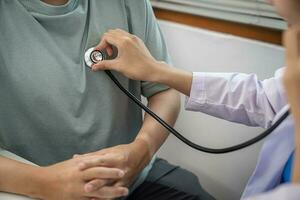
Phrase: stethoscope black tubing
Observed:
(187, 141)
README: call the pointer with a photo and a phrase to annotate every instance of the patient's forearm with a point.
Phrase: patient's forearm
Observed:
(166, 104)
(19, 178)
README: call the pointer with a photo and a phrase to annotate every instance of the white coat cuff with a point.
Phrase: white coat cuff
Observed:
(198, 93)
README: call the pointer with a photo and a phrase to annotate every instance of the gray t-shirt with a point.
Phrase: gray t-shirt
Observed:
(51, 105)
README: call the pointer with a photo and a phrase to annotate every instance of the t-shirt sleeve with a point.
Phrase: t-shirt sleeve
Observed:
(153, 39)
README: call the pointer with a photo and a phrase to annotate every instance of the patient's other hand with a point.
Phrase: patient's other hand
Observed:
(131, 158)
(67, 181)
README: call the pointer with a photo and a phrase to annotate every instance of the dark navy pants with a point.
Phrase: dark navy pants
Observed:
(169, 182)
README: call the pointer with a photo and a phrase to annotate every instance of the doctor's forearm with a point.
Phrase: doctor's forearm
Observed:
(178, 79)
(166, 104)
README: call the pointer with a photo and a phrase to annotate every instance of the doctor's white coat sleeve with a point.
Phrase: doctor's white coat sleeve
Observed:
(284, 192)
(237, 97)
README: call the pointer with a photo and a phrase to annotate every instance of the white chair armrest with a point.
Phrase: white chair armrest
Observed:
(7, 196)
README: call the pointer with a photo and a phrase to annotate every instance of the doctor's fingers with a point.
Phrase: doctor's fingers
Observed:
(108, 39)
(102, 173)
(119, 32)
(105, 45)
(112, 37)
(121, 39)
(106, 65)
(123, 34)
(292, 44)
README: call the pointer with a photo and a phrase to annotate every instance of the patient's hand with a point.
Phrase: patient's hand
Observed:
(131, 158)
(67, 181)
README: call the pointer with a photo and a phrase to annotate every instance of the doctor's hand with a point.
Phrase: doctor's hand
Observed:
(133, 60)
(131, 158)
(292, 86)
(67, 181)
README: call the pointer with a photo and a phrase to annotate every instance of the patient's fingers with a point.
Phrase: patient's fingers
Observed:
(95, 184)
(102, 173)
(99, 199)
(107, 160)
(110, 192)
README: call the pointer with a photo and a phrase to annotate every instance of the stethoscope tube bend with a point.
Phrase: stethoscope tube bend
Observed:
(94, 56)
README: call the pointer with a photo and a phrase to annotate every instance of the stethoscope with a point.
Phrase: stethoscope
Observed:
(93, 56)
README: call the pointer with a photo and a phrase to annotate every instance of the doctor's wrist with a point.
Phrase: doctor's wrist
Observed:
(178, 79)
(161, 73)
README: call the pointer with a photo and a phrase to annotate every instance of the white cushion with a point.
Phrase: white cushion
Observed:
(6, 196)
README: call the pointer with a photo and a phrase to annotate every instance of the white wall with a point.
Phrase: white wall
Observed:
(193, 49)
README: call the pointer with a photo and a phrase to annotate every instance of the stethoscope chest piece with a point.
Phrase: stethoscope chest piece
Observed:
(92, 56)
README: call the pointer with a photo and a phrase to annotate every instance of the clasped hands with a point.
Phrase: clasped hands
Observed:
(101, 175)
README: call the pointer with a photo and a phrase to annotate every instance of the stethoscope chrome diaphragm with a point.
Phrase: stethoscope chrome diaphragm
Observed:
(93, 56)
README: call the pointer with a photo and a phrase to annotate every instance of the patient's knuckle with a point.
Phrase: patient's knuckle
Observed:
(123, 158)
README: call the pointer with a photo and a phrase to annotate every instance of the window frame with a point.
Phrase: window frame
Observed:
(263, 34)
(264, 16)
